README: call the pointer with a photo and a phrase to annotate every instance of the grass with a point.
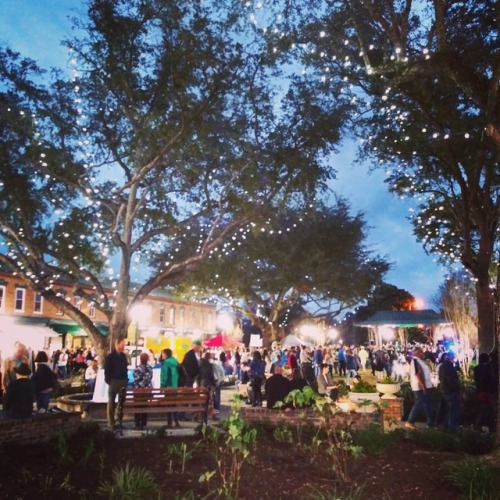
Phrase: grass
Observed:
(475, 478)
(373, 440)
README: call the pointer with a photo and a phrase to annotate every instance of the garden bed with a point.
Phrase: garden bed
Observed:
(394, 466)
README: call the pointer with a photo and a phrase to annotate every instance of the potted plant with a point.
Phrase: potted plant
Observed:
(388, 387)
(364, 395)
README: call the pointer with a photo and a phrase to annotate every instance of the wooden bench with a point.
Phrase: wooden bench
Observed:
(165, 400)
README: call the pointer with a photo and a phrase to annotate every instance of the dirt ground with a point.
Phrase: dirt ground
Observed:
(77, 467)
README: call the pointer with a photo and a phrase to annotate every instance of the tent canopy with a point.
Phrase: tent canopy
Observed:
(221, 340)
(403, 319)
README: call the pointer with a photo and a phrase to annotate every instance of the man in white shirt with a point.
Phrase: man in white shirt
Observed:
(422, 387)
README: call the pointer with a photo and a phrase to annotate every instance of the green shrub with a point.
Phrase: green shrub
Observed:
(373, 440)
(475, 478)
(364, 387)
(130, 483)
(436, 439)
(475, 442)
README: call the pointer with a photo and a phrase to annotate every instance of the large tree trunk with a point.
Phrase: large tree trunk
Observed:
(486, 315)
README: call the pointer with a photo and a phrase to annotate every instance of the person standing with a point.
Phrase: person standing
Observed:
(450, 390)
(257, 372)
(363, 357)
(191, 363)
(422, 387)
(45, 380)
(485, 382)
(318, 360)
(169, 377)
(115, 375)
(143, 379)
(91, 375)
(326, 385)
(20, 394)
(62, 364)
(342, 361)
(9, 364)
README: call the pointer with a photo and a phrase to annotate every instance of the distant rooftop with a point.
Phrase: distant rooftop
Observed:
(404, 319)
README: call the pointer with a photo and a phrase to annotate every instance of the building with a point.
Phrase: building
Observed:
(158, 321)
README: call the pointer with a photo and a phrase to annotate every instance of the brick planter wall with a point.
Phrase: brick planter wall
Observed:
(39, 428)
(390, 416)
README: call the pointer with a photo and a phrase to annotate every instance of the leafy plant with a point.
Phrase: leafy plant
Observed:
(89, 450)
(62, 447)
(182, 452)
(388, 379)
(130, 483)
(436, 439)
(343, 390)
(233, 453)
(282, 434)
(301, 398)
(475, 478)
(364, 387)
(373, 440)
(336, 444)
(351, 493)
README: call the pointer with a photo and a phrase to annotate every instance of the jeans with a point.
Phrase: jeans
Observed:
(453, 410)
(422, 402)
(342, 367)
(43, 400)
(350, 374)
(217, 390)
(114, 389)
(256, 385)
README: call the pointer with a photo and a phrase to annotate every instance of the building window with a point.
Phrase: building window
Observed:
(62, 294)
(181, 316)
(171, 318)
(162, 314)
(38, 306)
(2, 298)
(77, 301)
(211, 325)
(19, 302)
(91, 311)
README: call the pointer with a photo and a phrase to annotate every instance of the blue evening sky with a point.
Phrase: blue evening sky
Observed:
(35, 27)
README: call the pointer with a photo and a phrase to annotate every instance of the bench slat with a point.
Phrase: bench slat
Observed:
(166, 400)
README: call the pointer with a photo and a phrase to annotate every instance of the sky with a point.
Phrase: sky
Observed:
(35, 28)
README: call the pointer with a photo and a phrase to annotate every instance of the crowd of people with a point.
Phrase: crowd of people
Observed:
(267, 376)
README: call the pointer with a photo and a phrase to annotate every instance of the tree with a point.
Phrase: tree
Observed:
(458, 301)
(168, 139)
(423, 83)
(317, 260)
(384, 297)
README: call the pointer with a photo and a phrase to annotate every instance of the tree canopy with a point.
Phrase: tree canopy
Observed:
(317, 259)
(169, 137)
(422, 82)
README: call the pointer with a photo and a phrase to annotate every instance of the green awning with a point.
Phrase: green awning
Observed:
(65, 327)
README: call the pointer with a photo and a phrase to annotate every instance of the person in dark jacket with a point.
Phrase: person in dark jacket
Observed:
(45, 380)
(257, 371)
(20, 394)
(115, 375)
(277, 387)
(449, 384)
(191, 364)
(485, 382)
